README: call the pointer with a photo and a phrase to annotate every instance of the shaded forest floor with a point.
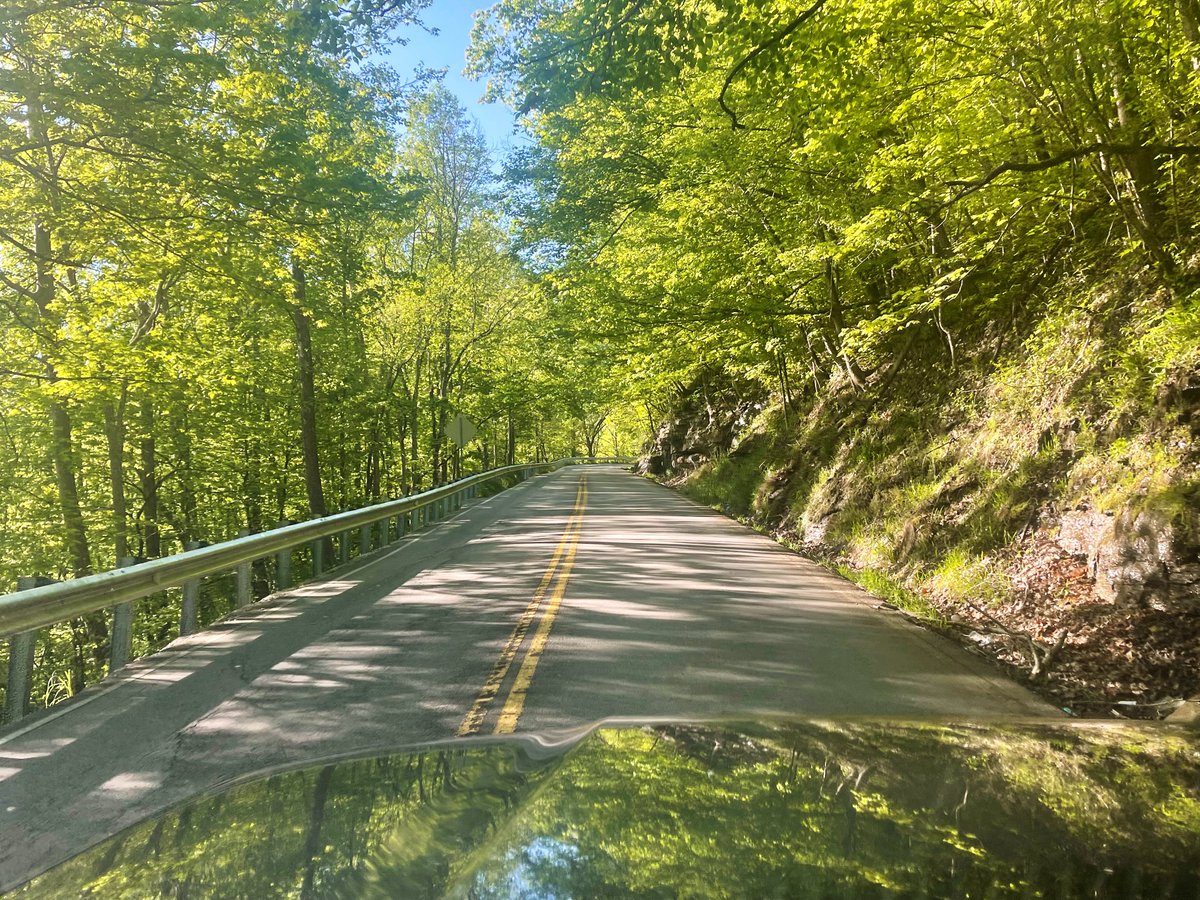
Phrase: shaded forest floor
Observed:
(1131, 661)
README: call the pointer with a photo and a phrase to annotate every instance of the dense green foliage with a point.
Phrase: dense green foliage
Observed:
(812, 193)
(246, 276)
(836, 195)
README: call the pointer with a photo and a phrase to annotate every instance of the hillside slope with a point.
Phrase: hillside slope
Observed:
(1042, 502)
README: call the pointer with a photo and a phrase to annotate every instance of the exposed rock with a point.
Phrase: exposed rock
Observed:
(813, 533)
(1135, 558)
(1187, 714)
(1180, 397)
(1131, 659)
(710, 417)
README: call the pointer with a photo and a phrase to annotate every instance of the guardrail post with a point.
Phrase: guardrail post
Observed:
(243, 577)
(364, 540)
(344, 547)
(283, 568)
(401, 523)
(20, 666)
(385, 537)
(121, 646)
(189, 608)
(318, 556)
(20, 675)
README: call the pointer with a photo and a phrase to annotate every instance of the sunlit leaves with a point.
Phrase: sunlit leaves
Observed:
(844, 209)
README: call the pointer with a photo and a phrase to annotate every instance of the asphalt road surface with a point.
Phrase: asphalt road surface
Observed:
(576, 596)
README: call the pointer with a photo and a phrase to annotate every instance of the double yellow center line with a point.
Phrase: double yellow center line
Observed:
(560, 566)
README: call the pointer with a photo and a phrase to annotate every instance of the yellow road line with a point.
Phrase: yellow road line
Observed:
(475, 716)
(515, 703)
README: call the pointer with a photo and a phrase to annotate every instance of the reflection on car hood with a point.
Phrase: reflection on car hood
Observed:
(820, 809)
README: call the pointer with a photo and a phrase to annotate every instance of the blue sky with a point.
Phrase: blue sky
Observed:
(447, 50)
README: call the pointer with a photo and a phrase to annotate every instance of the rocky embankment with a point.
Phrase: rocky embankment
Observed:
(1095, 603)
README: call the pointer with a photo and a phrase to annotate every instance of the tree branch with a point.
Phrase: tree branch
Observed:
(1065, 156)
(17, 288)
(769, 44)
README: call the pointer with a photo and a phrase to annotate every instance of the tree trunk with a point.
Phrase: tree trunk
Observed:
(187, 525)
(308, 398)
(374, 465)
(62, 447)
(1189, 19)
(510, 450)
(1141, 165)
(148, 477)
(415, 420)
(446, 371)
(435, 436)
(402, 431)
(281, 484)
(853, 372)
(65, 466)
(114, 433)
(252, 481)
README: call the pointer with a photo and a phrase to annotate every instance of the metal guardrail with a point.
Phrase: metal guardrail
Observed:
(23, 613)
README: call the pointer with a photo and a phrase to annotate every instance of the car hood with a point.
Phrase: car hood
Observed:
(789, 809)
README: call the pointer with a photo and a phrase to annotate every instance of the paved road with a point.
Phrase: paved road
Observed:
(584, 594)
